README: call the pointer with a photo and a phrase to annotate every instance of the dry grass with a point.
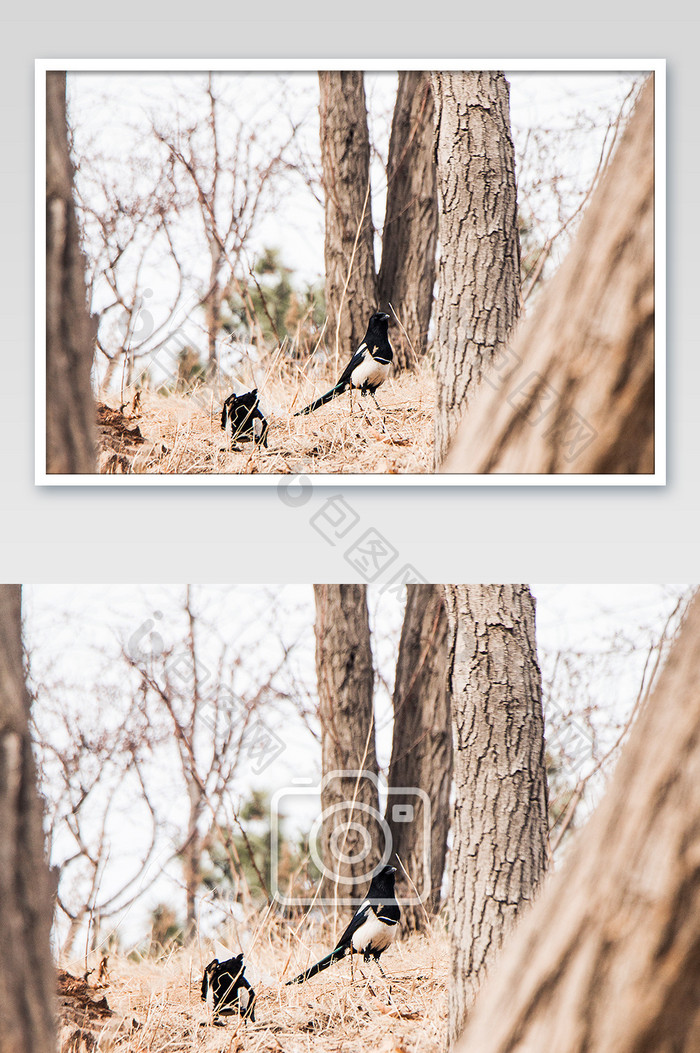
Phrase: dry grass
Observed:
(183, 434)
(328, 1013)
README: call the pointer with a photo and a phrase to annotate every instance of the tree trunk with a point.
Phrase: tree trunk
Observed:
(192, 859)
(351, 284)
(409, 243)
(212, 309)
(27, 976)
(575, 391)
(479, 268)
(421, 753)
(500, 813)
(609, 957)
(345, 692)
(70, 330)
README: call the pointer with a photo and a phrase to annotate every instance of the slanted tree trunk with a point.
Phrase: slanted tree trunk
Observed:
(500, 813)
(609, 957)
(351, 284)
(70, 330)
(345, 691)
(421, 754)
(574, 393)
(27, 977)
(409, 243)
(479, 268)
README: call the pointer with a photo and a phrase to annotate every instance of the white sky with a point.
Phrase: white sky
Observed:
(74, 632)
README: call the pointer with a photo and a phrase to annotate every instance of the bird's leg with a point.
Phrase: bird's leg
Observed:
(351, 400)
(380, 411)
(352, 967)
(387, 982)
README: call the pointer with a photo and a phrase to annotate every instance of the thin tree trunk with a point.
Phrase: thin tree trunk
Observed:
(70, 330)
(27, 976)
(421, 754)
(345, 691)
(212, 310)
(409, 243)
(351, 284)
(609, 957)
(574, 393)
(192, 859)
(500, 812)
(479, 268)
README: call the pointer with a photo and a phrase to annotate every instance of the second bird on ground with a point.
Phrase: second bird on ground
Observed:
(226, 990)
(368, 367)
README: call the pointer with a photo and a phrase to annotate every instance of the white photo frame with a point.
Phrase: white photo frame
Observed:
(657, 66)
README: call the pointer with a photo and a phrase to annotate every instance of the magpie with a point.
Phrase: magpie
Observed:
(368, 367)
(226, 990)
(371, 930)
(242, 417)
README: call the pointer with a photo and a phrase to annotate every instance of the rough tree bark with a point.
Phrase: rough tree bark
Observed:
(70, 330)
(349, 237)
(409, 243)
(609, 957)
(479, 267)
(575, 391)
(500, 811)
(27, 977)
(421, 753)
(345, 690)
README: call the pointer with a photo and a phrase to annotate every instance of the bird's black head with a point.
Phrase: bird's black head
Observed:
(377, 335)
(383, 882)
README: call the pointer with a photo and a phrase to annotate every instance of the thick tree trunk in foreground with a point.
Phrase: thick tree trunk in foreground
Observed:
(500, 814)
(421, 753)
(27, 977)
(409, 243)
(345, 691)
(479, 268)
(351, 284)
(575, 391)
(609, 957)
(70, 331)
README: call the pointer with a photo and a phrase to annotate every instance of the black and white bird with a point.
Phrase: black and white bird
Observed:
(242, 418)
(371, 930)
(367, 369)
(226, 990)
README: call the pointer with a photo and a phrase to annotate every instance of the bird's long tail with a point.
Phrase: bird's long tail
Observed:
(334, 956)
(333, 393)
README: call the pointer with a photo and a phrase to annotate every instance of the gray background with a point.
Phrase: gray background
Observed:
(247, 534)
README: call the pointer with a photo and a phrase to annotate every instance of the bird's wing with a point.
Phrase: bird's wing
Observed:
(359, 918)
(352, 365)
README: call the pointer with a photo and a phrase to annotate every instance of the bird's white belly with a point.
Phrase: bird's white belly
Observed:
(369, 372)
(375, 933)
